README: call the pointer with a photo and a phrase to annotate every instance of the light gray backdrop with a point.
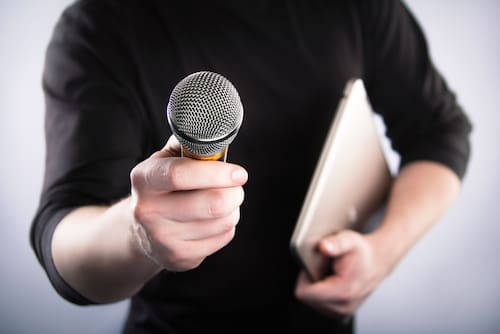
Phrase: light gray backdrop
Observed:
(449, 283)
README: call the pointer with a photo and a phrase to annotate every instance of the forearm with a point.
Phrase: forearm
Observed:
(96, 253)
(421, 194)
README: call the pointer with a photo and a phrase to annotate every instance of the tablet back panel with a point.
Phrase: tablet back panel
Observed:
(350, 183)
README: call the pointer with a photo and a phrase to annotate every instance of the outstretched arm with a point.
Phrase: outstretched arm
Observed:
(180, 211)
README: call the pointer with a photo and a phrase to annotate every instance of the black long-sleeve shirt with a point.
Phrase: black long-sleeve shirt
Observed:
(110, 67)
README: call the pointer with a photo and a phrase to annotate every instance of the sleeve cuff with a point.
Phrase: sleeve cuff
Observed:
(455, 158)
(59, 284)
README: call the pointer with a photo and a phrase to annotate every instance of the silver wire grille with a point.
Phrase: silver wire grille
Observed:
(205, 112)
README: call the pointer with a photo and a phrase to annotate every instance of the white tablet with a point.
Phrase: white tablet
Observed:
(349, 185)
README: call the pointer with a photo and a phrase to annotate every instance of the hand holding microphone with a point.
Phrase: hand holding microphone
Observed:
(187, 209)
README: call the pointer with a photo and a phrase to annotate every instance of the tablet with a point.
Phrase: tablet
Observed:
(350, 183)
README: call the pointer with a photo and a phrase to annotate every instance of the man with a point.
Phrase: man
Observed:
(203, 246)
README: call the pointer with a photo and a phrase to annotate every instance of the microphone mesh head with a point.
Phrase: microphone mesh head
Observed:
(205, 112)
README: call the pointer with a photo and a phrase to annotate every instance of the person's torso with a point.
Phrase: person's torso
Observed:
(289, 62)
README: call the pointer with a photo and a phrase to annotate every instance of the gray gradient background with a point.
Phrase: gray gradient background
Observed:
(448, 283)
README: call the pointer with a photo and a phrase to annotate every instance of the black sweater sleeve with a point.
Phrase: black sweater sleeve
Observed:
(423, 119)
(91, 124)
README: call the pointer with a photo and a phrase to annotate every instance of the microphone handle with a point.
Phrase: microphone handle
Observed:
(221, 156)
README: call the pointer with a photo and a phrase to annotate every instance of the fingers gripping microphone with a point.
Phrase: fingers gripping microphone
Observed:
(205, 113)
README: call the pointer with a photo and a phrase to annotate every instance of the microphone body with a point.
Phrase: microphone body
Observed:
(205, 113)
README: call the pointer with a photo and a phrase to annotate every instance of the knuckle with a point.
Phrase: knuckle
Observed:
(216, 205)
(235, 217)
(229, 224)
(141, 213)
(143, 174)
(240, 195)
(173, 175)
(137, 176)
(227, 237)
(299, 293)
(225, 202)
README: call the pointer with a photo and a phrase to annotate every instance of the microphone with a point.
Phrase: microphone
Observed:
(205, 113)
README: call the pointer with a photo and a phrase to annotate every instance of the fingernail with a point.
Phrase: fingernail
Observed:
(239, 175)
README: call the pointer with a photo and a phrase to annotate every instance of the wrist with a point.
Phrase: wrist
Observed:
(138, 244)
(387, 249)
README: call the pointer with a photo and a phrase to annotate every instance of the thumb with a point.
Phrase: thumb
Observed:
(171, 149)
(339, 244)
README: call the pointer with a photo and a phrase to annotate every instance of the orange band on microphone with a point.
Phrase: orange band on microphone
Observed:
(221, 156)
